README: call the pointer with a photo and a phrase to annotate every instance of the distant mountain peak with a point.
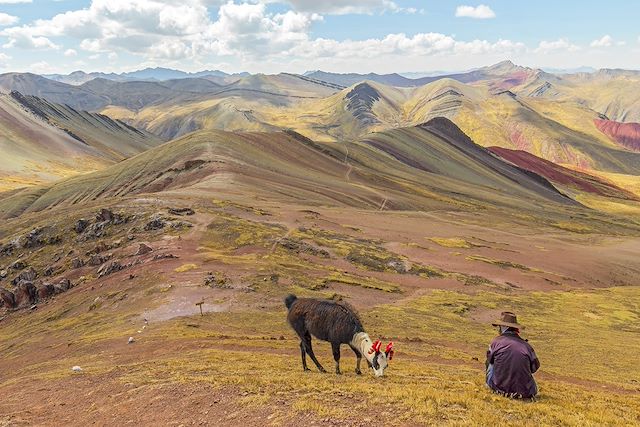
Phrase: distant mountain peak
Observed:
(505, 66)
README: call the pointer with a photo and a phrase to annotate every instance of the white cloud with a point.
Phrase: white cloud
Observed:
(479, 12)
(24, 40)
(419, 45)
(6, 19)
(42, 67)
(556, 46)
(251, 34)
(3, 59)
(604, 41)
(343, 7)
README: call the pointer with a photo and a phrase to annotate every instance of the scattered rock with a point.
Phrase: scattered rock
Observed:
(45, 291)
(7, 249)
(156, 223)
(180, 224)
(77, 263)
(96, 259)
(27, 275)
(164, 256)
(143, 249)
(94, 231)
(181, 211)
(7, 298)
(298, 246)
(98, 248)
(398, 266)
(49, 271)
(131, 340)
(105, 215)
(214, 281)
(192, 164)
(62, 286)
(109, 268)
(81, 225)
(76, 369)
(32, 238)
(18, 265)
(25, 294)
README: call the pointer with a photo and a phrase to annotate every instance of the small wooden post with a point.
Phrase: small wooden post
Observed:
(199, 304)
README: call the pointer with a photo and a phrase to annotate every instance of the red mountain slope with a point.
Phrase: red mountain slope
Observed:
(561, 175)
(625, 134)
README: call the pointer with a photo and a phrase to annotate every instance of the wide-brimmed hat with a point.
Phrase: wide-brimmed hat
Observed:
(509, 319)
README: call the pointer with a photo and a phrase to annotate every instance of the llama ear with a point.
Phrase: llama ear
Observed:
(389, 350)
(375, 348)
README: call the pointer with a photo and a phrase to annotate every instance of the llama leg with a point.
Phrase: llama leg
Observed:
(309, 349)
(336, 356)
(358, 360)
(303, 354)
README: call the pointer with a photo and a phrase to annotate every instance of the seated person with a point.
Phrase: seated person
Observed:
(511, 361)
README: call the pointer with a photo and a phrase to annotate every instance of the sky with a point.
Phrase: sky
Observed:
(272, 36)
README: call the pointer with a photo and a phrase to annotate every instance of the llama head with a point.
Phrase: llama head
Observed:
(380, 359)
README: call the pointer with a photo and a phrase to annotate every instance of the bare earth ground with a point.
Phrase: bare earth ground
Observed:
(578, 293)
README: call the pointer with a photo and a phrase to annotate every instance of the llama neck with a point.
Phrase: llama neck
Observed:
(363, 343)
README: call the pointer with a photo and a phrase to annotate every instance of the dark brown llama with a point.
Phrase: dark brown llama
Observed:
(337, 323)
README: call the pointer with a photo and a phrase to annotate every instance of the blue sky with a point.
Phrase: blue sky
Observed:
(298, 35)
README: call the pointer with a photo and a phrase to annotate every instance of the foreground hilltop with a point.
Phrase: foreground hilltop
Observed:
(404, 169)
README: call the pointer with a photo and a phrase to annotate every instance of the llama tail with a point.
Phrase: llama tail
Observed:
(289, 300)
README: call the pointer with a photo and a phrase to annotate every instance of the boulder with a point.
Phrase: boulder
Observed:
(49, 271)
(97, 259)
(7, 249)
(109, 268)
(18, 265)
(62, 286)
(105, 215)
(7, 298)
(45, 290)
(3, 274)
(81, 225)
(164, 256)
(156, 223)
(181, 224)
(25, 294)
(94, 230)
(28, 275)
(110, 217)
(33, 238)
(99, 247)
(143, 249)
(77, 263)
(181, 211)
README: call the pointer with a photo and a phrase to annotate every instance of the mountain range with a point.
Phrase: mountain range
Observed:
(147, 74)
(583, 122)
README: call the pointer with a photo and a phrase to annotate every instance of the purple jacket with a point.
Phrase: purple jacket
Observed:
(514, 362)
